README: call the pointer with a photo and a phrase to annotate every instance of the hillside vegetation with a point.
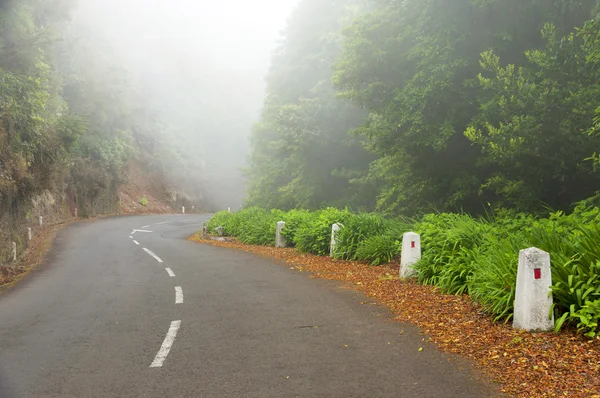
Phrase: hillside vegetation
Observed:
(69, 124)
(411, 106)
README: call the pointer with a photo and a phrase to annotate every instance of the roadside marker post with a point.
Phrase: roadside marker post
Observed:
(279, 238)
(411, 253)
(14, 252)
(219, 231)
(29, 234)
(41, 220)
(533, 296)
(335, 228)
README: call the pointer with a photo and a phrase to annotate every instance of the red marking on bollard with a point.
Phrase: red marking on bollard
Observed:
(537, 273)
(413, 245)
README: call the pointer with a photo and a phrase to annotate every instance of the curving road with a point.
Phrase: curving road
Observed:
(126, 307)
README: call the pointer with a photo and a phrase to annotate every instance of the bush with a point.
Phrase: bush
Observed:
(315, 236)
(378, 250)
(223, 219)
(294, 220)
(144, 201)
(357, 228)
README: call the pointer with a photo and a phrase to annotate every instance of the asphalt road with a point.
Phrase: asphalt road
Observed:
(103, 318)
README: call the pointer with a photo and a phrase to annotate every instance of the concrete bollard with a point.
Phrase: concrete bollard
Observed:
(29, 234)
(335, 228)
(411, 253)
(229, 209)
(279, 238)
(219, 231)
(533, 297)
(14, 252)
(204, 231)
(193, 208)
(76, 213)
(182, 209)
(41, 221)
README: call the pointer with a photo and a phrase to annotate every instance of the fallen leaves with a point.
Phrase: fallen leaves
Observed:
(525, 364)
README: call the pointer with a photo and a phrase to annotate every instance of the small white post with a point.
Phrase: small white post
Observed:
(334, 230)
(229, 209)
(182, 209)
(41, 221)
(219, 231)
(29, 234)
(279, 238)
(411, 253)
(533, 296)
(14, 252)
(76, 213)
(193, 208)
(204, 231)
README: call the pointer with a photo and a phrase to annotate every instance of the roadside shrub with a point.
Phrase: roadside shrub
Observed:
(254, 226)
(294, 219)
(451, 246)
(315, 236)
(223, 219)
(494, 277)
(378, 250)
(357, 229)
(144, 202)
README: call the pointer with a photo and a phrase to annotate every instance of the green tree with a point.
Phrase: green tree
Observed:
(302, 153)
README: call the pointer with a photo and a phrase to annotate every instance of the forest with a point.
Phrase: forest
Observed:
(406, 107)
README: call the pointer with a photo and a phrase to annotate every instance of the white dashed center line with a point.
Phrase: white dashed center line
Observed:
(170, 272)
(130, 237)
(162, 223)
(136, 242)
(146, 226)
(166, 345)
(153, 255)
(178, 295)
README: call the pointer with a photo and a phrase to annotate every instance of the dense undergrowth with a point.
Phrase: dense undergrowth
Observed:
(461, 254)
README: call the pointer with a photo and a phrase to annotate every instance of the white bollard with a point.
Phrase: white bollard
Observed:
(14, 252)
(411, 253)
(193, 208)
(335, 228)
(229, 209)
(533, 297)
(279, 238)
(29, 234)
(41, 221)
(219, 231)
(76, 213)
(182, 209)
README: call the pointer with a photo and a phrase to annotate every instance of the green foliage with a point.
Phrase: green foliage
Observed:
(295, 219)
(379, 249)
(302, 156)
(252, 226)
(144, 201)
(370, 238)
(315, 236)
(224, 219)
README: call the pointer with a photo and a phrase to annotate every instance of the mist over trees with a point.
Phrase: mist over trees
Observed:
(89, 88)
(409, 106)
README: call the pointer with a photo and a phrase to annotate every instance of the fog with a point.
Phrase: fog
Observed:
(199, 67)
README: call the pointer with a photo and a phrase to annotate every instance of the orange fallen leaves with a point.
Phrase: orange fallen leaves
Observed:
(525, 364)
